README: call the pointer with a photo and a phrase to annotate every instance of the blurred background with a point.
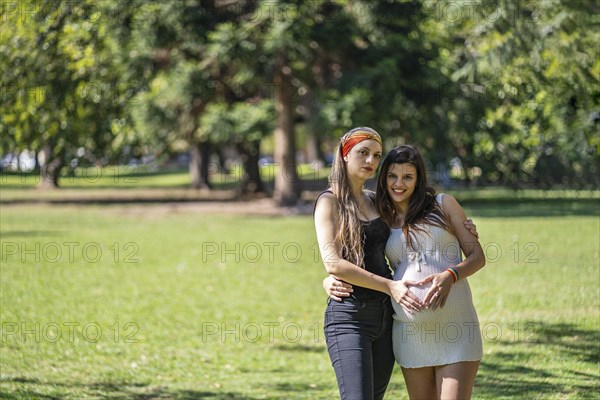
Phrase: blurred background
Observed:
(495, 92)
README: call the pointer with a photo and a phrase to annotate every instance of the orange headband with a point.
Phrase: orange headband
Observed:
(357, 137)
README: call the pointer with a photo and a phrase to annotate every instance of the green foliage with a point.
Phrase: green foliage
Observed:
(238, 123)
(60, 85)
(169, 38)
(526, 90)
(510, 89)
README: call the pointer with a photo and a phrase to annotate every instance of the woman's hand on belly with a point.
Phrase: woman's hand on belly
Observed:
(401, 294)
(440, 289)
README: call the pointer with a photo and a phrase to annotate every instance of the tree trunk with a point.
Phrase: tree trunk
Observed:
(199, 165)
(251, 181)
(313, 153)
(287, 184)
(220, 152)
(50, 167)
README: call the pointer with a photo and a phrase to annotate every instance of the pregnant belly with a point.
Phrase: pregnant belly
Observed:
(419, 291)
(414, 275)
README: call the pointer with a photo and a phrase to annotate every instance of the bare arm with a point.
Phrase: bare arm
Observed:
(342, 269)
(474, 257)
(334, 263)
(337, 289)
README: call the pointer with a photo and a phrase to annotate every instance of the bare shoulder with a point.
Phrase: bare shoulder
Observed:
(325, 218)
(449, 200)
(451, 207)
(326, 204)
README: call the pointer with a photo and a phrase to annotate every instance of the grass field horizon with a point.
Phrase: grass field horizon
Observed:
(150, 302)
(123, 182)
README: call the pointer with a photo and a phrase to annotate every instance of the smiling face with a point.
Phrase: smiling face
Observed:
(363, 159)
(401, 180)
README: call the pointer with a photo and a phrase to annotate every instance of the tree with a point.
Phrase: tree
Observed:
(242, 125)
(300, 41)
(62, 90)
(195, 57)
(167, 45)
(527, 89)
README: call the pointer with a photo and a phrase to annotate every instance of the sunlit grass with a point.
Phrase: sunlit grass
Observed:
(151, 302)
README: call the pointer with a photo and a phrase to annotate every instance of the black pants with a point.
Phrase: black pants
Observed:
(359, 340)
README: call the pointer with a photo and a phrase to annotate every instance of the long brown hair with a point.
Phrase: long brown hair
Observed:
(348, 238)
(422, 206)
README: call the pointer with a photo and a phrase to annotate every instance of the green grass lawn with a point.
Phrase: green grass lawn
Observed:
(145, 302)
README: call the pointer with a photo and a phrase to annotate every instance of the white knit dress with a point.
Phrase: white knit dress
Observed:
(432, 337)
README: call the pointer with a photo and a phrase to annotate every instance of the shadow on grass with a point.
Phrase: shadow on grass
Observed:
(508, 373)
(27, 394)
(532, 208)
(301, 348)
(502, 374)
(14, 234)
(298, 387)
(583, 345)
(109, 390)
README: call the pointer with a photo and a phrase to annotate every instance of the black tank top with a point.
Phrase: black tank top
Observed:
(375, 234)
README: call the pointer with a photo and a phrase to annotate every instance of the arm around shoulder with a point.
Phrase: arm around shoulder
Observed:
(326, 227)
(470, 246)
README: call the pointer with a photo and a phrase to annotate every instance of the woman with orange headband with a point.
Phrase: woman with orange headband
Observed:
(352, 238)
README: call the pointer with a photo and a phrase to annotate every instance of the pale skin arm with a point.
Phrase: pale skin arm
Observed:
(338, 289)
(325, 211)
(473, 262)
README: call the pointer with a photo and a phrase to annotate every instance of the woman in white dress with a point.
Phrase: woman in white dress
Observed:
(439, 347)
